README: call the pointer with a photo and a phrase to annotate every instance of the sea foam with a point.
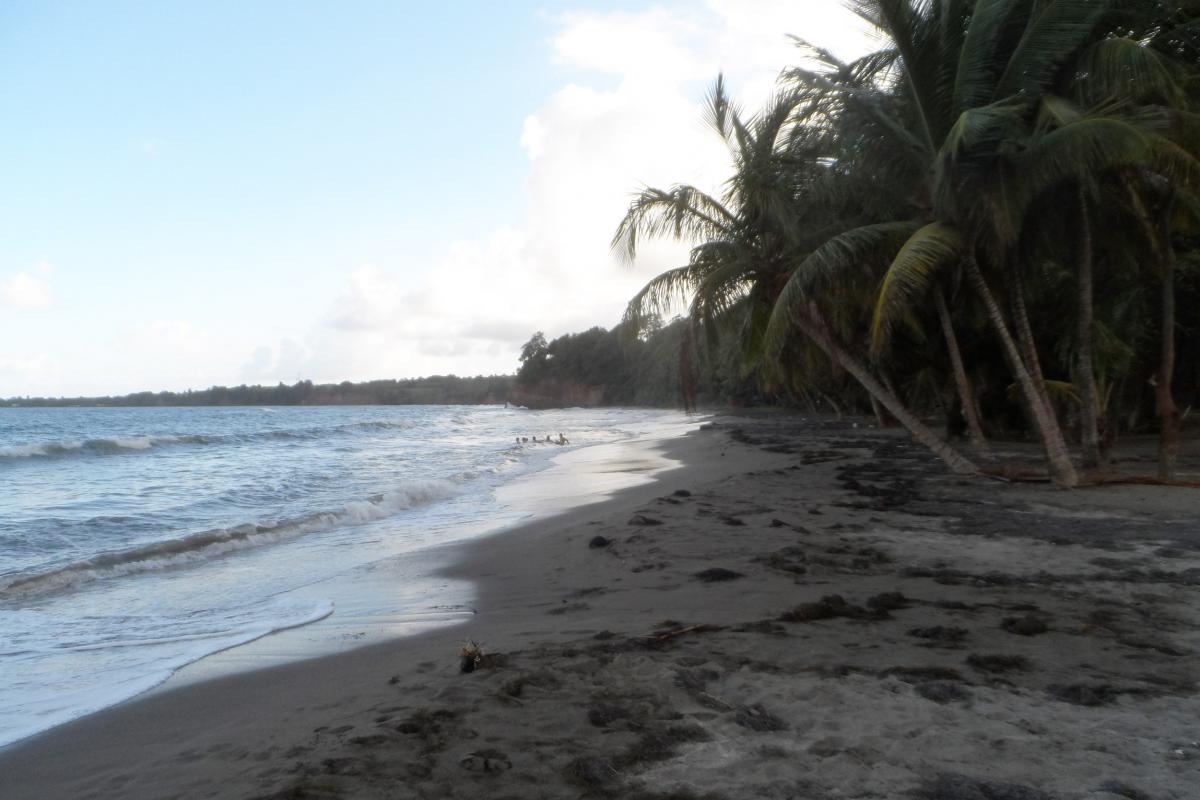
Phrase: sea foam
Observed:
(185, 550)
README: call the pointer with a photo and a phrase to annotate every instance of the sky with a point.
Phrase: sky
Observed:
(215, 193)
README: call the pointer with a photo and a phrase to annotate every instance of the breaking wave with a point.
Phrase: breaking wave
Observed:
(209, 544)
(124, 444)
(140, 444)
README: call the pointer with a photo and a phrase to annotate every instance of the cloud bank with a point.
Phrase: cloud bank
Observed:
(627, 115)
(632, 119)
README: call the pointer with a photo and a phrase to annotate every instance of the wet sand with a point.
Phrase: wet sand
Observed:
(805, 609)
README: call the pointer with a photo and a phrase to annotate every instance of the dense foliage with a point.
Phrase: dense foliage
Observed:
(993, 216)
(435, 390)
(617, 367)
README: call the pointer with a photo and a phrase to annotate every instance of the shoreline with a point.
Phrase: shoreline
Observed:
(353, 568)
(279, 649)
(674, 642)
(537, 496)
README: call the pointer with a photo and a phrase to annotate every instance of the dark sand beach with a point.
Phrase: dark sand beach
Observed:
(805, 609)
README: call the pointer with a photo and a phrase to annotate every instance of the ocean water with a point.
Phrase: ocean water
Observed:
(136, 541)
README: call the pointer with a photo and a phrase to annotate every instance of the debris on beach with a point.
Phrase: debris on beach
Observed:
(829, 607)
(470, 656)
(1024, 626)
(940, 635)
(998, 663)
(887, 601)
(718, 574)
(675, 630)
(756, 718)
(489, 760)
(789, 559)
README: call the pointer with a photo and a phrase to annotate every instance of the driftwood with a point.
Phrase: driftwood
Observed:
(1140, 480)
(1030, 475)
(1015, 474)
(663, 636)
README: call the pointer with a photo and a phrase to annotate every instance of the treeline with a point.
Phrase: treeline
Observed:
(994, 217)
(434, 390)
(624, 367)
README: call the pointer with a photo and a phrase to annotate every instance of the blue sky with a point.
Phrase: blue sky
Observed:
(218, 192)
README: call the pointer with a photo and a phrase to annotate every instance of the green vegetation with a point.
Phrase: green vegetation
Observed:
(993, 216)
(435, 390)
(632, 368)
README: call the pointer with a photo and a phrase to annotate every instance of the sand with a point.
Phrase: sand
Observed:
(805, 609)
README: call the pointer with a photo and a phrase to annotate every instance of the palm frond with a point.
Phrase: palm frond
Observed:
(1120, 68)
(683, 212)
(1055, 31)
(659, 296)
(1098, 144)
(719, 111)
(846, 252)
(924, 256)
(975, 78)
(1055, 112)
(1062, 391)
(903, 25)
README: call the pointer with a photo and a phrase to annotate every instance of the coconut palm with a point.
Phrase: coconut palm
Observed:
(961, 94)
(774, 206)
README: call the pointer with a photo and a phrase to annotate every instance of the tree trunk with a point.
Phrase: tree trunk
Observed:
(1168, 412)
(1111, 420)
(886, 380)
(877, 410)
(1085, 372)
(813, 325)
(1033, 362)
(966, 394)
(1058, 458)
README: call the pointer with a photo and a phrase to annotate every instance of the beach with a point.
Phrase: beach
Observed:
(804, 608)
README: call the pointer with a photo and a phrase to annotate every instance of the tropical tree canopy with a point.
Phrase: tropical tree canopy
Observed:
(992, 218)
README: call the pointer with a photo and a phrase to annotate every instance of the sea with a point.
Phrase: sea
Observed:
(135, 542)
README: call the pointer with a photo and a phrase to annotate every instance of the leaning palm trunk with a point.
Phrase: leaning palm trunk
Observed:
(1168, 412)
(965, 393)
(1085, 375)
(877, 410)
(1024, 329)
(1058, 458)
(813, 325)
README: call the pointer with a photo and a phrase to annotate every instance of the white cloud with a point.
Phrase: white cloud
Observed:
(589, 148)
(630, 116)
(29, 290)
(287, 361)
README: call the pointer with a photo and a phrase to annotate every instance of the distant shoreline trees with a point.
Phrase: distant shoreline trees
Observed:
(433, 390)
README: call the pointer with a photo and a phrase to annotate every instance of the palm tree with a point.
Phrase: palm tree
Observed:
(1137, 70)
(748, 240)
(961, 94)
